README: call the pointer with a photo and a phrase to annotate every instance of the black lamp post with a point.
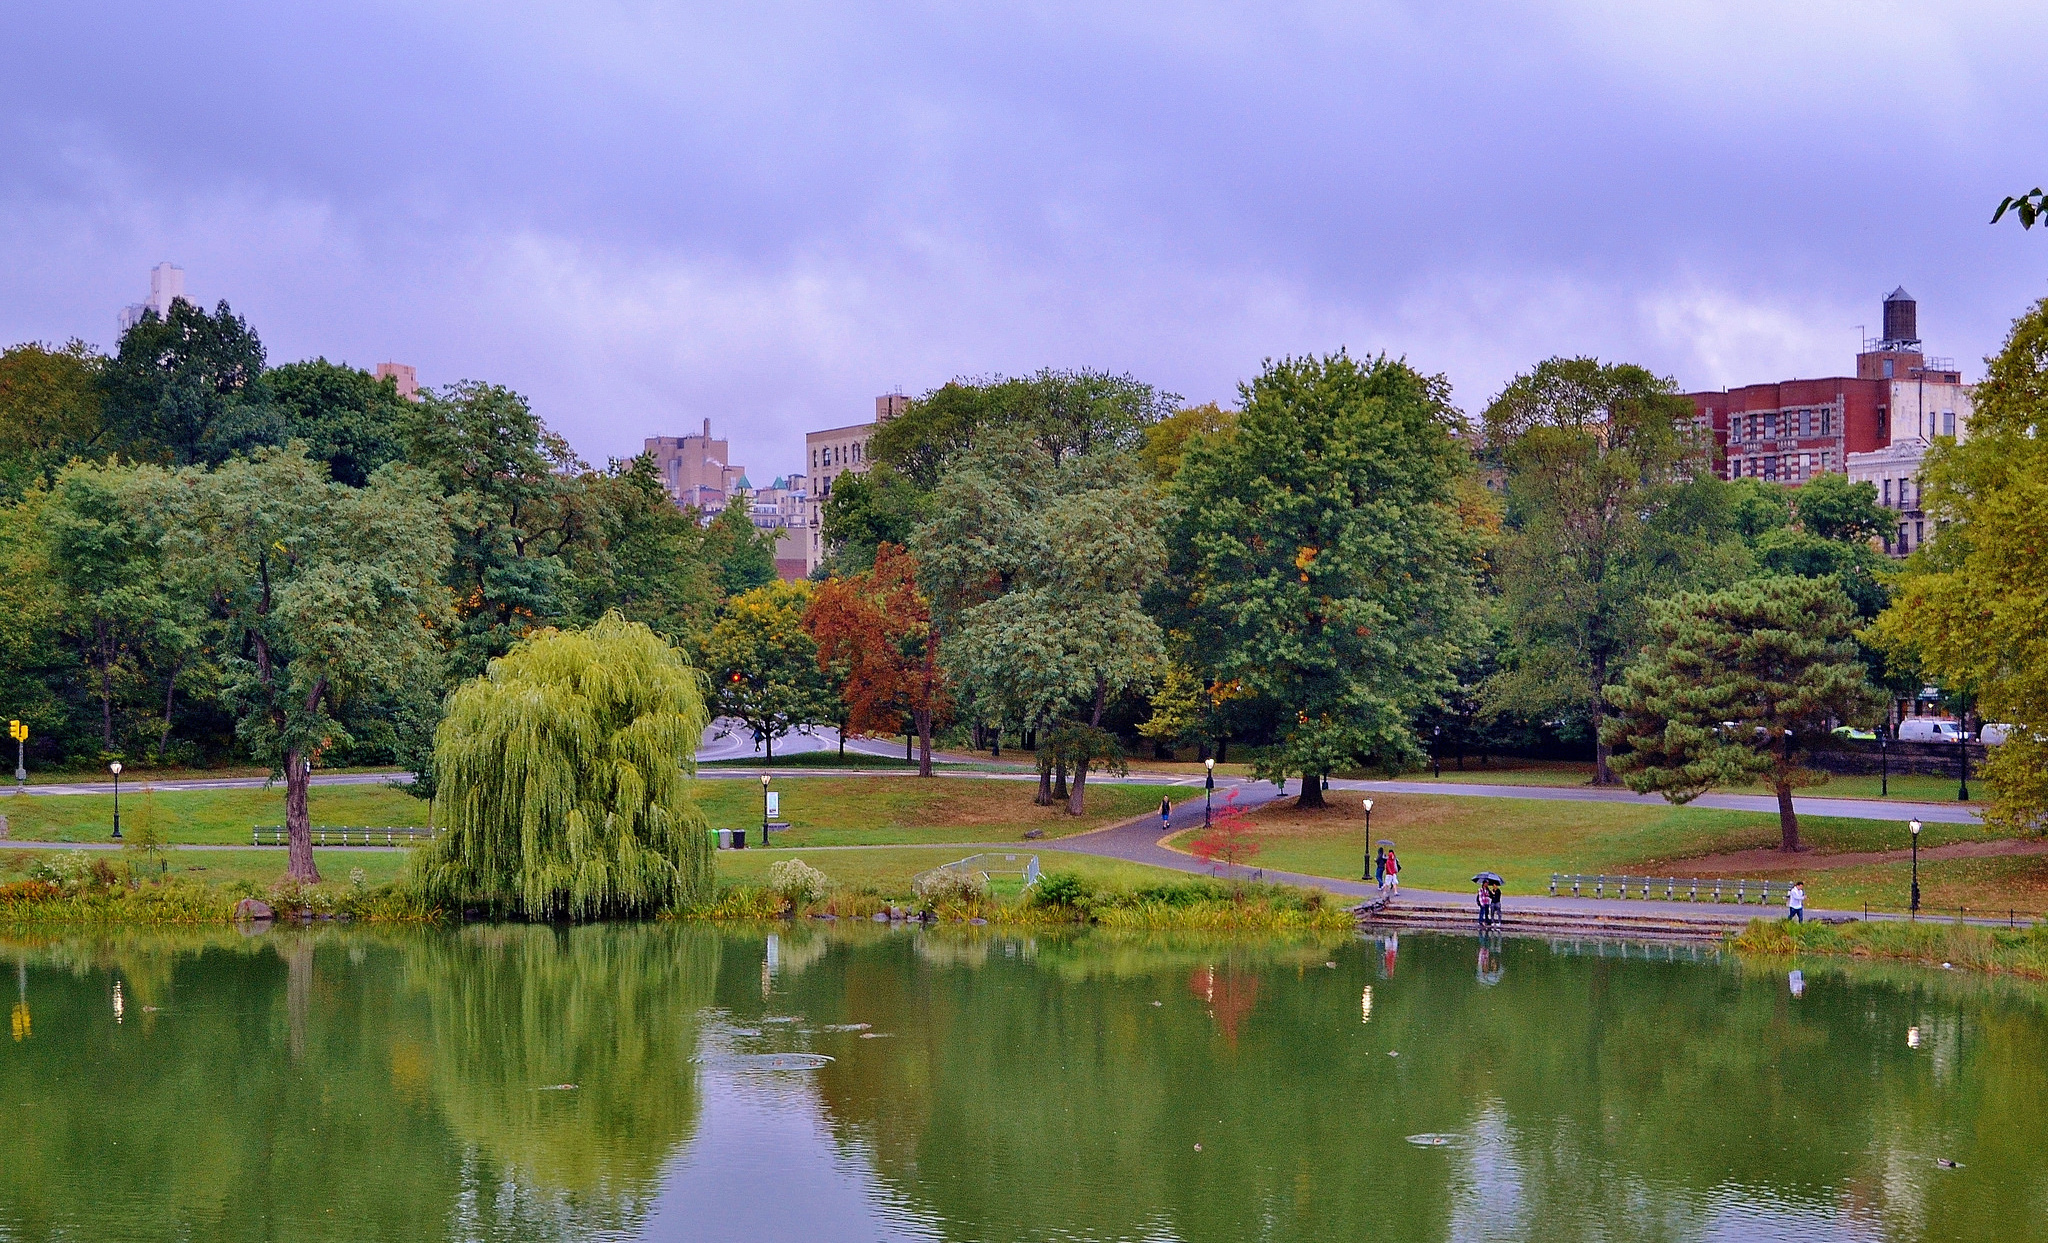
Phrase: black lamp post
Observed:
(1365, 868)
(1915, 826)
(1208, 789)
(115, 768)
(1962, 762)
(1436, 748)
(1884, 760)
(764, 809)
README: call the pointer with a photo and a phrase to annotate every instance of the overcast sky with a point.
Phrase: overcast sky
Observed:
(644, 214)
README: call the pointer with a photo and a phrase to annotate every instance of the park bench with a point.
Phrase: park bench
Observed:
(274, 835)
(1666, 888)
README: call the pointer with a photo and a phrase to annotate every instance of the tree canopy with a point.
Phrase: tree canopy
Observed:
(565, 780)
(764, 665)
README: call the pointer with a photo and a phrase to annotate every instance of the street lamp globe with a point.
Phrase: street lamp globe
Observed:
(115, 768)
(1210, 763)
(1368, 805)
(1915, 826)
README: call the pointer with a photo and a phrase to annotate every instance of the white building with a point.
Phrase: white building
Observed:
(834, 452)
(166, 285)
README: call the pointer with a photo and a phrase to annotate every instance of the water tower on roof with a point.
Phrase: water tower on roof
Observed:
(1901, 321)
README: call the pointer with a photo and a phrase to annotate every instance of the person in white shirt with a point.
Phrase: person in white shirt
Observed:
(1795, 901)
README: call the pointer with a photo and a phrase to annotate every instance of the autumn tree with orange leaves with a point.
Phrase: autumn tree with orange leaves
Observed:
(875, 636)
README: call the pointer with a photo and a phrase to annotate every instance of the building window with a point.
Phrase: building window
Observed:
(1770, 427)
(1887, 493)
(1919, 534)
(1903, 546)
(1771, 468)
(1948, 422)
(1887, 368)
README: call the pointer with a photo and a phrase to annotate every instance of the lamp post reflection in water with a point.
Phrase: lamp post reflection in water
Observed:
(1365, 1005)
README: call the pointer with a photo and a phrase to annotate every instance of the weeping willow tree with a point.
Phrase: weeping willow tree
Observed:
(564, 775)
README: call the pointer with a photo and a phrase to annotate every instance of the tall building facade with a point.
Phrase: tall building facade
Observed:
(1866, 425)
(696, 471)
(403, 376)
(166, 285)
(832, 453)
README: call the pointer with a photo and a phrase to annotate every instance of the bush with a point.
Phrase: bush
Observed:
(944, 885)
(797, 881)
(1061, 889)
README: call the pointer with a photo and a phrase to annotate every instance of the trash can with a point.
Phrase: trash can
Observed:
(724, 838)
(739, 839)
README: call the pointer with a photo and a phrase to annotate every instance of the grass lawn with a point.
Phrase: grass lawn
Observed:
(892, 811)
(221, 867)
(1902, 789)
(889, 869)
(1443, 840)
(211, 817)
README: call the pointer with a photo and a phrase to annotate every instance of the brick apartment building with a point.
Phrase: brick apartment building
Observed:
(1876, 424)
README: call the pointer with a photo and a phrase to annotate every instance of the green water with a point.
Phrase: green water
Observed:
(529, 1083)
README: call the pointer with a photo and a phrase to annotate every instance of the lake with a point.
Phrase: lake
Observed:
(851, 1082)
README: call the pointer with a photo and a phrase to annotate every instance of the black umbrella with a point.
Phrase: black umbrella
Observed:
(1492, 876)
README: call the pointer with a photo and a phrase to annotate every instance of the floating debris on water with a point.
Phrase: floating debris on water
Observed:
(1947, 1164)
(845, 1027)
(1437, 1140)
(766, 1062)
(876, 1035)
(778, 1018)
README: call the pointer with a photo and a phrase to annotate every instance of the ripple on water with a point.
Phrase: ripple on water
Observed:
(1435, 1139)
(763, 1063)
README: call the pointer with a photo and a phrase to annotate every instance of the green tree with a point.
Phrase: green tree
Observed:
(639, 555)
(49, 412)
(1831, 507)
(764, 664)
(1326, 570)
(1179, 707)
(1595, 454)
(348, 418)
(744, 556)
(1037, 569)
(1728, 683)
(868, 509)
(320, 593)
(1166, 441)
(1062, 413)
(565, 780)
(503, 474)
(1968, 607)
(189, 388)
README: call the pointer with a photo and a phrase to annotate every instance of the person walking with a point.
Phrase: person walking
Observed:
(1795, 902)
(1485, 899)
(1493, 904)
(1165, 814)
(1379, 868)
(1393, 885)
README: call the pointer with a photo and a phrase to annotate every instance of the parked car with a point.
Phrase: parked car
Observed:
(1929, 729)
(1993, 733)
(1857, 735)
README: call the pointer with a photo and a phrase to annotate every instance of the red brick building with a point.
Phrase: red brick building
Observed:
(1789, 431)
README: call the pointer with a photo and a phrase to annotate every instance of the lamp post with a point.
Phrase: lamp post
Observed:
(1962, 761)
(764, 809)
(1365, 868)
(1884, 760)
(1208, 789)
(1436, 748)
(19, 732)
(115, 768)
(1915, 826)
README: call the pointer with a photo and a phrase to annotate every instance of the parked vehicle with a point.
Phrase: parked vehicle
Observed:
(1993, 733)
(1855, 735)
(1929, 729)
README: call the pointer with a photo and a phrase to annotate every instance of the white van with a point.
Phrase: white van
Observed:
(1993, 733)
(1929, 729)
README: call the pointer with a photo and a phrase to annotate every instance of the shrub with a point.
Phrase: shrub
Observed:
(944, 885)
(1061, 889)
(797, 881)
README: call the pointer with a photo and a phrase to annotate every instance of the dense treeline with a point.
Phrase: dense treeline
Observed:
(204, 558)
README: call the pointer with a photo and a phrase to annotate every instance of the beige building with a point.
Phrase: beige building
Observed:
(404, 376)
(696, 470)
(834, 452)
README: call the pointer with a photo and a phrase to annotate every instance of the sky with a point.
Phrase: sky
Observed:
(642, 214)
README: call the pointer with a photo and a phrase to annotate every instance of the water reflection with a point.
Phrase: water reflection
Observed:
(686, 1083)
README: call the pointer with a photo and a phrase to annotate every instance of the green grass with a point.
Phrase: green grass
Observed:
(1443, 840)
(208, 817)
(889, 869)
(899, 811)
(1902, 788)
(262, 868)
(2022, 951)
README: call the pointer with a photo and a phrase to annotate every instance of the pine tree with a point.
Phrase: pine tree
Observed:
(1728, 683)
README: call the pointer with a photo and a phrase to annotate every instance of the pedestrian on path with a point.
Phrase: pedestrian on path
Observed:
(1392, 885)
(1379, 868)
(1165, 814)
(1485, 899)
(1493, 903)
(1795, 901)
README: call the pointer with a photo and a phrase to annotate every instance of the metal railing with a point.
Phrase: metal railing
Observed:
(274, 835)
(1668, 888)
(992, 864)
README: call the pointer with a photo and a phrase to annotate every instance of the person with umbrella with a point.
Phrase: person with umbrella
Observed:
(1488, 898)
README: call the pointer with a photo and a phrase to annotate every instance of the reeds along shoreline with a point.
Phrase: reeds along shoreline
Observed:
(1963, 947)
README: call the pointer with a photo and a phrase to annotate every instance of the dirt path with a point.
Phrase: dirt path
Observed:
(1765, 859)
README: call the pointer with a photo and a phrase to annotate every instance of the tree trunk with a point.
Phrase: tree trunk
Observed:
(1602, 774)
(1059, 777)
(1788, 820)
(1311, 792)
(924, 742)
(298, 994)
(1044, 798)
(298, 824)
(163, 738)
(1222, 748)
(1075, 803)
(106, 663)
